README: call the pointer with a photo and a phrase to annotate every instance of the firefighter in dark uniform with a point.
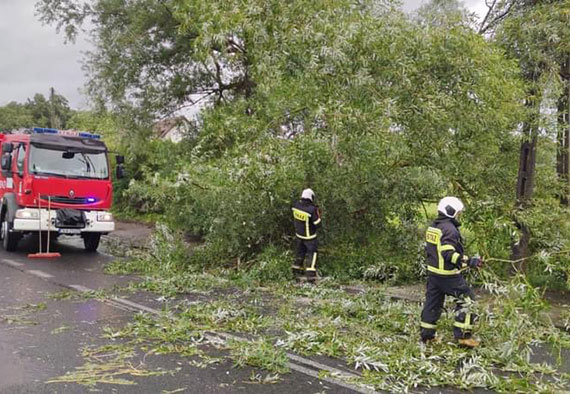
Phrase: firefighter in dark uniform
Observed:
(307, 220)
(446, 261)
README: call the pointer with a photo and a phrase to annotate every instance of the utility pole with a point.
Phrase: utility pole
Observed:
(53, 117)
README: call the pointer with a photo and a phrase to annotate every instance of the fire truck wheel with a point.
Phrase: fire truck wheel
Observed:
(9, 239)
(91, 241)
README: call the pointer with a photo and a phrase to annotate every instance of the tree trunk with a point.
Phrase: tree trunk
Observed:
(525, 179)
(525, 189)
(563, 135)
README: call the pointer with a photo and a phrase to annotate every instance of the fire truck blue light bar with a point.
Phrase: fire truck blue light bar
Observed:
(73, 133)
(41, 130)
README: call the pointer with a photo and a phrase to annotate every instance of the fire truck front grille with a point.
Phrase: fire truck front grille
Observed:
(71, 201)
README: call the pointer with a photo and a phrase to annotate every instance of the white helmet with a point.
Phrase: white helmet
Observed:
(450, 206)
(308, 194)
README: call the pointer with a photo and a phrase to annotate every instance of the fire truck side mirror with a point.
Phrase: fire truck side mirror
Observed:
(6, 162)
(7, 147)
(120, 159)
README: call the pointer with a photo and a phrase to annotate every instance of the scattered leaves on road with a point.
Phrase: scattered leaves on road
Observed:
(110, 364)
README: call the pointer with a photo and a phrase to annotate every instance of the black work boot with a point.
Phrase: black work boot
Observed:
(312, 277)
(298, 272)
(431, 340)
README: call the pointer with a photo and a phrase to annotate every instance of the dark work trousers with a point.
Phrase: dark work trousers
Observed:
(306, 258)
(437, 288)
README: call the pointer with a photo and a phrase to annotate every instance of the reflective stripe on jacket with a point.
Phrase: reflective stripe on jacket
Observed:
(307, 219)
(444, 247)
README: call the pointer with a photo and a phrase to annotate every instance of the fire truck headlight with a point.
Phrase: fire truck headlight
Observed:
(104, 217)
(27, 214)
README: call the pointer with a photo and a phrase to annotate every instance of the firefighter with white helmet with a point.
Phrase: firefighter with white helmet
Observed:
(445, 262)
(307, 220)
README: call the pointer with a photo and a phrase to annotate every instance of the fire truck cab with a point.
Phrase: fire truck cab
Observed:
(56, 180)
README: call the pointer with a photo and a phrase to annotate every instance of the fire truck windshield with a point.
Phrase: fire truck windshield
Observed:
(68, 164)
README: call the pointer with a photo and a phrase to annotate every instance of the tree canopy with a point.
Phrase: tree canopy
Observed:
(381, 113)
(37, 111)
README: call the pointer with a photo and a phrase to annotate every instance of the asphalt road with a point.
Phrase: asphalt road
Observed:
(42, 338)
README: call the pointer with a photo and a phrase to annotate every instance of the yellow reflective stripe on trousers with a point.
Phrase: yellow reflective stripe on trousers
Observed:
(303, 237)
(428, 325)
(467, 325)
(313, 263)
(463, 325)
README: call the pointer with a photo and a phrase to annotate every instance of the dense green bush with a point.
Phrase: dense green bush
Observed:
(272, 265)
(382, 117)
(379, 112)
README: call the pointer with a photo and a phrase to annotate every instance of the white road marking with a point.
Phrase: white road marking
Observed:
(80, 288)
(117, 305)
(83, 289)
(318, 365)
(306, 371)
(305, 361)
(333, 380)
(12, 263)
(39, 273)
(137, 306)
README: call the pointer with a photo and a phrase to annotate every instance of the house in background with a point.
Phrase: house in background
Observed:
(172, 129)
(177, 126)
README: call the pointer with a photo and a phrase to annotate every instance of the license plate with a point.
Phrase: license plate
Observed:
(69, 231)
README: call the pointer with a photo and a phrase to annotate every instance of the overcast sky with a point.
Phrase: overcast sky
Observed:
(34, 58)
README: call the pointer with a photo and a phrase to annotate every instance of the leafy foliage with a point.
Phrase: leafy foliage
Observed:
(521, 349)
(373, 136)
(14, 116)
(380, 113)
(536, 34)
(38, 111)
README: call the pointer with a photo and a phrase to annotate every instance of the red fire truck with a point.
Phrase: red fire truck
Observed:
(55, 180)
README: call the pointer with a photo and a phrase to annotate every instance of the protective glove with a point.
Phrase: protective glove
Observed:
(475, 262)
